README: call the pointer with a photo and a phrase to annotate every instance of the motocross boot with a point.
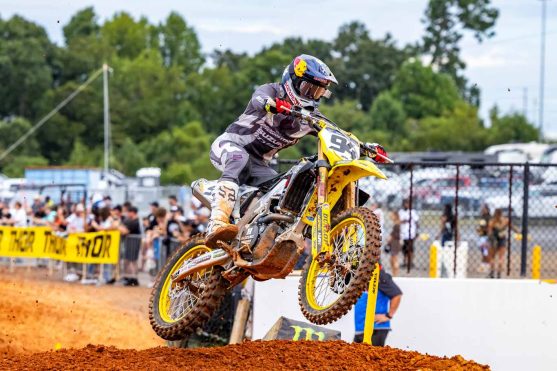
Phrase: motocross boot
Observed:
(219, 228)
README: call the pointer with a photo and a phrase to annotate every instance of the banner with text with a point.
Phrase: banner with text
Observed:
(41, 242)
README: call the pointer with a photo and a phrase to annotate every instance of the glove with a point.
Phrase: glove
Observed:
(279, 106)
(375, 150)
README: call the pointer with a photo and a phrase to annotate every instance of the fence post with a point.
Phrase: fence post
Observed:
(525, 196)
(509, 211)
(456, 218)
(433, 261)
(536, 262)
(411, 207)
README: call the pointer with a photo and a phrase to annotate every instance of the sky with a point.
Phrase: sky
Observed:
(505, 67)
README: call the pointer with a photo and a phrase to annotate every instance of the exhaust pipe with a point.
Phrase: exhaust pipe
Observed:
(207, 260)
(276, 218)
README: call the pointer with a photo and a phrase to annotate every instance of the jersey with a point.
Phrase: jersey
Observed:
(260, 133)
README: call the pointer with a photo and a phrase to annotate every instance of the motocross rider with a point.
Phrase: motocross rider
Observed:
(245, 149)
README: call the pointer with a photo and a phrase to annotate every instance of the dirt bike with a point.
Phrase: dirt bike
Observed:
(316, 199)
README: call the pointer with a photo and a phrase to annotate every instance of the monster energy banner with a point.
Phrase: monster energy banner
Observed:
(289, 329)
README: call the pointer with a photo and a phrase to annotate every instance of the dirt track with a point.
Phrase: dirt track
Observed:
(258, 355)
(38, 315)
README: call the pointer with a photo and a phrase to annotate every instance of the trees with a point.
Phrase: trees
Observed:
(25, 66)
(513, 127)
(423, 92)
(445, 21)
(167, 104)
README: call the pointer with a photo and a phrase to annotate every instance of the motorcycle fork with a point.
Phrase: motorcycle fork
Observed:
(320, 243)
(349, 203)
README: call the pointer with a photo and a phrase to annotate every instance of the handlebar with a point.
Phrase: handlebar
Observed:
(370, 149)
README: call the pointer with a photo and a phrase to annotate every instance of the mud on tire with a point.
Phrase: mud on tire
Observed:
(206, 305)
(359, 282)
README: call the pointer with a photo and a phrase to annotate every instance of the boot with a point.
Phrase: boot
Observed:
(219, 228)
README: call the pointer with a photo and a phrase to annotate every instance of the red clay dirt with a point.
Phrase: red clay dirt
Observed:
(257, 355)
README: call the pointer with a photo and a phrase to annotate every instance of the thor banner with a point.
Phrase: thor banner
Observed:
(41, 242)
(93, 247)
(24, 242)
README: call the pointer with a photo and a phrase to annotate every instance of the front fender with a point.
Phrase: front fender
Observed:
(340, 175)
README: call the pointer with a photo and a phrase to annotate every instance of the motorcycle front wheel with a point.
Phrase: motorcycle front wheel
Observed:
(330, 286)
(177, 309)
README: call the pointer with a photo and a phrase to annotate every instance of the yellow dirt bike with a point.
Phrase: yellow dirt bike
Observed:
(316, 199)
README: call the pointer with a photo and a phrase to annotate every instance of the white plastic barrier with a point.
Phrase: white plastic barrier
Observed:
(507, 324)
(446, 259)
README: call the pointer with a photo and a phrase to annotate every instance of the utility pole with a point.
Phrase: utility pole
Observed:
(106, 122)
(542, 68)
(525, 102)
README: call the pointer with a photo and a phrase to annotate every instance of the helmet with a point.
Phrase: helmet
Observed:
(306, 80)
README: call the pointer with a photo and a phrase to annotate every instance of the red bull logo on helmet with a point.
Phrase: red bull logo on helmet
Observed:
(300, 66)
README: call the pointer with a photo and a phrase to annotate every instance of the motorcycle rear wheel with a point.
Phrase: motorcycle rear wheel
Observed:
(328, 289)
(176, 311)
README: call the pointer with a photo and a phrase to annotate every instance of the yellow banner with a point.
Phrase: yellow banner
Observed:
(41, 242)
(24, 242)
(94, 247)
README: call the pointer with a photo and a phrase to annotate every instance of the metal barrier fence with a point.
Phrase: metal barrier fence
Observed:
(475, 245)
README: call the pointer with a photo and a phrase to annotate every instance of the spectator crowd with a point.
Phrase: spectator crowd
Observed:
(143, 239)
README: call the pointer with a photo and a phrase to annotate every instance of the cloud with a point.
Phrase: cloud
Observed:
(488, 59)
(243, 29)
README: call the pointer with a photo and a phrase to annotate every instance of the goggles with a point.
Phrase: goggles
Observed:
(313, 91)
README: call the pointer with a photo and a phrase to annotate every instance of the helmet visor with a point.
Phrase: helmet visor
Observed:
(313, 91)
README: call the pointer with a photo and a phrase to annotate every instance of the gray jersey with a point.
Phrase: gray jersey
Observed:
(260, 133)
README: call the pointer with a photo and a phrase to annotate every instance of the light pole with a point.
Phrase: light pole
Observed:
(542, 68)
(106, 122)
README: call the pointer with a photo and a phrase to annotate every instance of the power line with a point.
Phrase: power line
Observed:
(38, 125)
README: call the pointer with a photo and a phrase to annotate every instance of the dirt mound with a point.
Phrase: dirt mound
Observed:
(257, 355)
(37, 315)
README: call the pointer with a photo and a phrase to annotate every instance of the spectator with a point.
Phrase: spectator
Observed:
(408, 229)
(19, 216)
(76, 221)
(131, 231)
(388, 300)
(117, 213)
(173, 202)
(37, 204)
(483, 237)
(393, 242)
(152, 219)
(107, 201)
(103, 222)
(60, 219)
(5, 216)
(447, 225)
(497, 229)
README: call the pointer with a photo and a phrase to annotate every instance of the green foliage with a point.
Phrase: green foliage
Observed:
(25, 72)
(183, 151)
(167, 104)
(513, 127)
(423, 92)
(348, 114)
(459, 129)
(15, 168)
(387, 114)
(82, 155)
(445, 22)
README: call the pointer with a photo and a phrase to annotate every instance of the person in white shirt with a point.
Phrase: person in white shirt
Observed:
(76, 222)
(19, 216)
(409, 219)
